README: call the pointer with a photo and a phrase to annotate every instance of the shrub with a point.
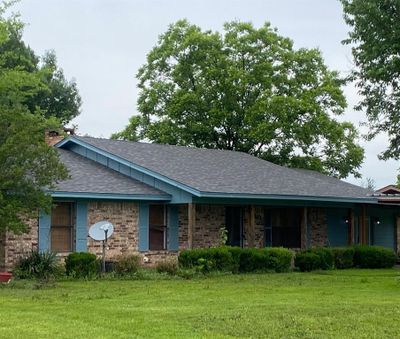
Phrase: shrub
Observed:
(222, 259)
(216, 258)
(81, 265)
(127, 264)
(373, 257)
(326, 257)
(282, 258)
(343, 257)
(236, 253)
(39, 265)
(236, 259)
(254, 260)
(318, 258)
(307, 261)
(169, 266)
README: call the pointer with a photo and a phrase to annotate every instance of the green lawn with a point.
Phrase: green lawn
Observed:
(349, 303)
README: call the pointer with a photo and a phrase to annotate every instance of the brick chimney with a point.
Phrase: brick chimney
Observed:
(53, 136)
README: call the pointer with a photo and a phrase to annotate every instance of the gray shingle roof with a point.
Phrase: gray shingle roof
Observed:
(220, 171)
(88, 176)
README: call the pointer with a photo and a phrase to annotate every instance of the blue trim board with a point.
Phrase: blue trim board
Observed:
(81, 226)
(173, 227)
(286, 197)
(143, 226)
(273, 202)
(44, 232)
(110, 196)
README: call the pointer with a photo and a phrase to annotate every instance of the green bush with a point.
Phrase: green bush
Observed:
(318, 258)
(282, 258)
(235, 253)
(81, 265)
(307, 261)
(236, 259)
(127, 264)
(39, 265)
(169, 266)
(373, 257)
(343, 257)
(216, 258)
(326, 257)
(255, 260)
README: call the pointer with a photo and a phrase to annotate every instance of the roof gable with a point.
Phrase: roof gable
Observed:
(90, 179)
(390, 189)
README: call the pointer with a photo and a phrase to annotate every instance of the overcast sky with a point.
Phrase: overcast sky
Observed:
(103, 43)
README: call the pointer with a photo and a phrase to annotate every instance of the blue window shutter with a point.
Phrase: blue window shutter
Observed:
(81, 227)
(44, 232)
(173, 228)
(143, 226)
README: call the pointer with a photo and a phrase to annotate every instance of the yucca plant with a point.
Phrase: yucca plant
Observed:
(39, 265)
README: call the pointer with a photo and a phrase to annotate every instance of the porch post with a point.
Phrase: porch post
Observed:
(191, 223)
(252, 227)
(363, 228)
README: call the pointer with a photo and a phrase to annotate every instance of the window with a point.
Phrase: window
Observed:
(62, 227)
(157, 227)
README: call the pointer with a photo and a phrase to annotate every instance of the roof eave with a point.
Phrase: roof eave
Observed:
(109, 196)
(368, 200)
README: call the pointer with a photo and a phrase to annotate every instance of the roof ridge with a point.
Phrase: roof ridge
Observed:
(172, 146)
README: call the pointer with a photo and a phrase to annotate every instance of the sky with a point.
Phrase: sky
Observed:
(102, 44)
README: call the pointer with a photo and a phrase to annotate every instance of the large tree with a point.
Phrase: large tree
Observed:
(375, 41)
(28, 166)
(248, 90)
(57, 97)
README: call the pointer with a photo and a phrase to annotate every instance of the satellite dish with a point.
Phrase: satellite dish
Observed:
(101, 230)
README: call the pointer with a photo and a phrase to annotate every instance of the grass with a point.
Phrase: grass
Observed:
(329, 304)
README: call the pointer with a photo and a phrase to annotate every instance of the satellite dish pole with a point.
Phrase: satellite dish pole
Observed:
(104, 250)
(102, 230)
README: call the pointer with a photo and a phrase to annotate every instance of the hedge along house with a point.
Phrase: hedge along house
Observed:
(162, 199)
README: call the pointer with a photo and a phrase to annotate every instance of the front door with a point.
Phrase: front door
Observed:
(234, 225)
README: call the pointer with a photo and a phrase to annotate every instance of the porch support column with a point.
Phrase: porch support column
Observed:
(304, 229)
(252, 227)
(363, 228)
(191, 223)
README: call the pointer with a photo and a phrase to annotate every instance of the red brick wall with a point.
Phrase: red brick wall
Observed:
(124, 216)
(16, 246)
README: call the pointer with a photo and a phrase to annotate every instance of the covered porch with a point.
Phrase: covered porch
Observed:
(296, 225)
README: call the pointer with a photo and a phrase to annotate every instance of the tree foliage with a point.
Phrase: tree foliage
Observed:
(57, 97)
(375, 38)
(27, 165)
(246, 90)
